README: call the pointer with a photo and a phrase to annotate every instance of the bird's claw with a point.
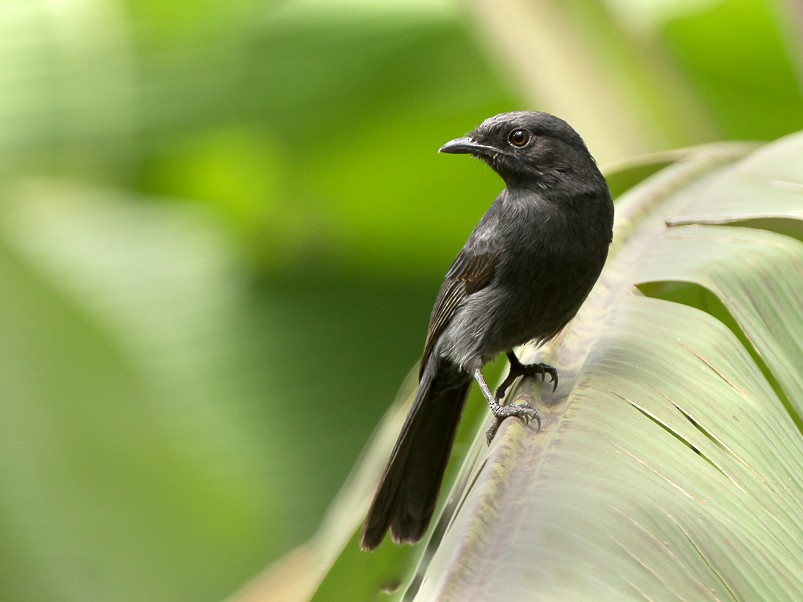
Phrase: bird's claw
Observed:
(541, 370)
(524, 411)
(553, 374)
(518, 369)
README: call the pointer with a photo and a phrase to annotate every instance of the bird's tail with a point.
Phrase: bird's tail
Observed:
(407, 493)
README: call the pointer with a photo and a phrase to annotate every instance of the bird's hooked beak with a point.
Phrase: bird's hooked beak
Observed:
(467, 146)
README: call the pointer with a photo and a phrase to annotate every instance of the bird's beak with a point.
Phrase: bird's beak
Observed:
(466, 146)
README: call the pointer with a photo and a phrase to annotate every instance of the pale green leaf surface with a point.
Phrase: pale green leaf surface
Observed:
(758, 277)
(667, 465)
(613, 502)
(767, 184)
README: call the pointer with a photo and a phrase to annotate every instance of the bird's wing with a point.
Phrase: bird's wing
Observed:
(471, 271)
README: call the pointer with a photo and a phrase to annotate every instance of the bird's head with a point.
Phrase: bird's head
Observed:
(527, 148)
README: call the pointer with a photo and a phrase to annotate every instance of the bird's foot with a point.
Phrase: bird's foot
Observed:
(523, 411)
(518, 369)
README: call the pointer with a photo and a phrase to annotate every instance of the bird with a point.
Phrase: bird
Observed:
(521, 276)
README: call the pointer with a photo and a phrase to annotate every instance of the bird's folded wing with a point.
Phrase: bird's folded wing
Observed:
(470, 272)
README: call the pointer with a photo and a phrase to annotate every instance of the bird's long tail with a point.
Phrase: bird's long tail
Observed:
(407, 493)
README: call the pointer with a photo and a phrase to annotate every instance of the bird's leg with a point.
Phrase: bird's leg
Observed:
(524, 411)
(518, 369)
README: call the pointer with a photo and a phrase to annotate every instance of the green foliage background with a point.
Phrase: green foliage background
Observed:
(222, 226)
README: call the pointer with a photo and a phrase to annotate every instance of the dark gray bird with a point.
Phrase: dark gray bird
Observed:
(522, 275)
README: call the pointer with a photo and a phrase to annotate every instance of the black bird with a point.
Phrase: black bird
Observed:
(522, 275)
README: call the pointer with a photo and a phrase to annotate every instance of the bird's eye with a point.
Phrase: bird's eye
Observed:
(519, 137)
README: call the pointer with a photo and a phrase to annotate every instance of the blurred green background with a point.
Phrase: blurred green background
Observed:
(222, 226)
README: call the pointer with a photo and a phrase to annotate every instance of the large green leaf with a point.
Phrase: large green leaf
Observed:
(670, 461)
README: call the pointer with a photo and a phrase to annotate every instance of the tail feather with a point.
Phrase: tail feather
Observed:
(408, 491)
